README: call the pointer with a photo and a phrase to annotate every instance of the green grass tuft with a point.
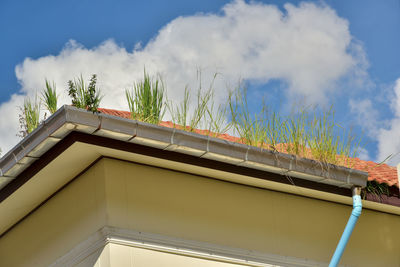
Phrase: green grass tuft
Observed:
(376, 189)
(146, 100)
(303, 133)
(203, 114)
(49, 97)
(307, 132)
(85, 96)
(31, 112)
(29, 117)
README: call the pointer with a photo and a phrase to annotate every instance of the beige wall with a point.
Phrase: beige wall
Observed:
(59, 225)
(138, 197)
(190, 207)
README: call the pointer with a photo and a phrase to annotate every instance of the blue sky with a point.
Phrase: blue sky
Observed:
(344, 53)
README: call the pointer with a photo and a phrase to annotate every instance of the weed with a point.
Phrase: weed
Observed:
(87, 97)
(29, 117)
(251, 130)
(201, 115)
(217, 123)
(49, 97)
(191, 119)
(294, 133)
(179, 113)
(303, 133)
(376, 189)
(146, 100)
(329, 142)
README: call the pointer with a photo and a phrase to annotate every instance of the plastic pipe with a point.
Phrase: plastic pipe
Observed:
(355, 213)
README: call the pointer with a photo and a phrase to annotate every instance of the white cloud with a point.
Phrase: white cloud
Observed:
(366, 116)
(363, 154)
(389, 137)
(9, 125)
(307, 46)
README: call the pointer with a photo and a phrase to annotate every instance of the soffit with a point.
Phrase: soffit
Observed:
(79, 156)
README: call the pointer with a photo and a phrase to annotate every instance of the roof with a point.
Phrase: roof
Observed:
(381, 173)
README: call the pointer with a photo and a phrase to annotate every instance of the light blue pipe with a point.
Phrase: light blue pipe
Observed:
(355, 213)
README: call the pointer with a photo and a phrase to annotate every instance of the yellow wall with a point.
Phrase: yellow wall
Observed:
(142, 198)
(190, 207)
(59, 225)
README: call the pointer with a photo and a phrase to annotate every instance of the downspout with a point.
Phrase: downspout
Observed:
(355, 213)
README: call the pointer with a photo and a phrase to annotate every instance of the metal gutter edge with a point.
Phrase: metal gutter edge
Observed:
(32, 147)
(69, 118)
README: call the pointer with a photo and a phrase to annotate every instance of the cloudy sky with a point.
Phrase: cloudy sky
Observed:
(340, 53)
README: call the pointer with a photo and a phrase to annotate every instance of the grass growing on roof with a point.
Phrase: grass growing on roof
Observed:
(146, 100)
(330, 142)
(85, 96)
(304, 133)
(218, 115)
(180, 113)
(49, 97)
(191, 119)
(29, 116)
(376, 189)
(203, 114)
(31, 113)
(250, 128)
(294, 133)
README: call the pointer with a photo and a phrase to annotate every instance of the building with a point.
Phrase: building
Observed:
(89, 189)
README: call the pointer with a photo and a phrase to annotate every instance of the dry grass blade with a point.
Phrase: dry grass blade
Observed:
(217, 123)
(331, 143)
(295, 133)
(191, 119)
(200, 115)
(302, 133)
(179, 113)
(251, 129)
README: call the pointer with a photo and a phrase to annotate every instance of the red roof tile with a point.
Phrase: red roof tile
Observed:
(381, 173)
(114, 112)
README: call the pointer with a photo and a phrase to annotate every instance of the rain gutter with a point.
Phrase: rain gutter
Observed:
(68, 119)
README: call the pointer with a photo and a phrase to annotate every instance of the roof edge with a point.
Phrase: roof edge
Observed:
(68, 119)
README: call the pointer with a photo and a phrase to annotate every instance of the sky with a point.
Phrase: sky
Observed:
(340, 53)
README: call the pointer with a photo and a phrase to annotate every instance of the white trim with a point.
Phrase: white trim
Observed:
(82, 250)
(179, 246)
